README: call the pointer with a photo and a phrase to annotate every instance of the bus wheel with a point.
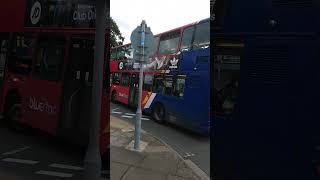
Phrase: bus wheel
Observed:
(113, 96)
(158, 113)
(14, 116)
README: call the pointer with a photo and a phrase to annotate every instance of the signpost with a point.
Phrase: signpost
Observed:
(143, 44)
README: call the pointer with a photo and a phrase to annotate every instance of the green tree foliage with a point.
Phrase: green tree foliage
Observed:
(116, 37)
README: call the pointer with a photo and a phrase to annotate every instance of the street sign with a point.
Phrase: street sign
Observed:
(149, 43)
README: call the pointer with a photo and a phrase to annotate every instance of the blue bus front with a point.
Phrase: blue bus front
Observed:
(189, 104)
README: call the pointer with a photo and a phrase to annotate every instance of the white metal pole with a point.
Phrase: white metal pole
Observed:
(92, 161)
(137, 132)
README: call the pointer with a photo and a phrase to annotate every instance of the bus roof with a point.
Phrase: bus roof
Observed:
(181, 27)
(15, 17)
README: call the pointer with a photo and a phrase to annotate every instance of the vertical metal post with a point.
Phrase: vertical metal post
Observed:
(139, 111)
(92, 161)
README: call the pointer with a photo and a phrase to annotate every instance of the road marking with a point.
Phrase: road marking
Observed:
(187, 155)
(130, 114)
(16, 151)
(127, 116)
(115, 109)
(115, 112)
(22, 161)
(146, 119)
(63, 166)
(54, 173)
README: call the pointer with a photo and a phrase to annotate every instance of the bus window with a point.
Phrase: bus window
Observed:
(20, 59)
(187, 39)
(113, 55)
(179, 86)
(124, 79)
(147, 83)
(168, 82)
(129, 52)
(116, 79)
(169, 42)
(49, 59)
(158, 85)
(202, 36)
(121, 53)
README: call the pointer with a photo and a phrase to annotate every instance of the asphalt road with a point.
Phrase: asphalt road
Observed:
(32, 155)
(189, 145)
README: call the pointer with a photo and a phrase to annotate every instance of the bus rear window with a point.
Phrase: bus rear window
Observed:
(169, 42)
(202, 36)
(186, 43)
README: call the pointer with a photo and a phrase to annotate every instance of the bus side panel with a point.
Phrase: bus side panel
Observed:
(41, 104)
(122, 93)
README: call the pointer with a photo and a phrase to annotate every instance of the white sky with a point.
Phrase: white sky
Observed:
(160, 15)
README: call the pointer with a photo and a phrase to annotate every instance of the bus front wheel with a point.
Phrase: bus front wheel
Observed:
(158, 113)
(113, 96)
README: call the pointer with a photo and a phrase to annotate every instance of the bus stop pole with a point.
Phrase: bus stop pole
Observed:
(92, 161)
(137, 132)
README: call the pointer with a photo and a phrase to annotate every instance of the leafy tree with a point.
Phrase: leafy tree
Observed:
(116, 37)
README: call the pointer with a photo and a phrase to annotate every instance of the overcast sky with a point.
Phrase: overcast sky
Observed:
(160, 15)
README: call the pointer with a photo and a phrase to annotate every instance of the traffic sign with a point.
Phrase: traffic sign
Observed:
(149, 43)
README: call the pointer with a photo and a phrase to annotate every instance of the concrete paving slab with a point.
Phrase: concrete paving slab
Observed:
(173, 177)
(135, 173)
(185, 171)
(117, 170)
(156, 149)
(122, 155)
(165, 162)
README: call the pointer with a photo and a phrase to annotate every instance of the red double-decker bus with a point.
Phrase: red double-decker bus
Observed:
(176, 80)
(46, 64)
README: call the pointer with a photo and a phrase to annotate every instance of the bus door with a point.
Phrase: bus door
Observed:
(76, 103)
(133, 90)
(41, 95)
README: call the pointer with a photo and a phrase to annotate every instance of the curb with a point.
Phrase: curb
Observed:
(201, 174)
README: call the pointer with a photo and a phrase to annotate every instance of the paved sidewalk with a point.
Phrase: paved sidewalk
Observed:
(156, 161)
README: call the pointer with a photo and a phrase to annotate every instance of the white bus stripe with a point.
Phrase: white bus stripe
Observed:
(16, 151)
(54, 173)
(22, 161)
(62, 166)
(153, 95)
(127, 116)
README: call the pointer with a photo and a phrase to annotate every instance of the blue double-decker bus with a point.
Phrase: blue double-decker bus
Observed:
(273, 130)
(176, 80)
